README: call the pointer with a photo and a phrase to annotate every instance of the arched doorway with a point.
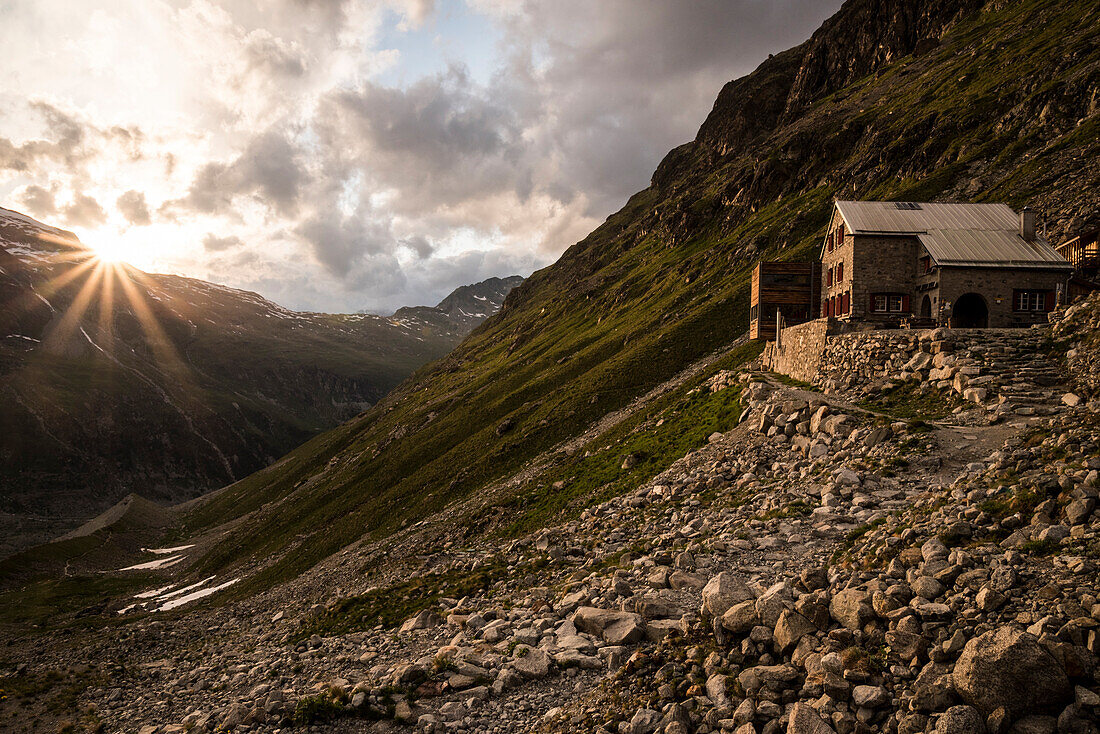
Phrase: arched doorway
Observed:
(926, 308)
(970, 312)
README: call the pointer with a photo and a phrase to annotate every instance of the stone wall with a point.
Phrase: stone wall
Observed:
(1003, 369)
(882, 265)
(798, 353)
(995, 286)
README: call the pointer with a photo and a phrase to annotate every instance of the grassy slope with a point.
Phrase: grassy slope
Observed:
(665, 281)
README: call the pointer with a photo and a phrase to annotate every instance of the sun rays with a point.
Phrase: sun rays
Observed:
(91, 297)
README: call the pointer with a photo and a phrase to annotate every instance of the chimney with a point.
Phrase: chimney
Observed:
(1027, 224)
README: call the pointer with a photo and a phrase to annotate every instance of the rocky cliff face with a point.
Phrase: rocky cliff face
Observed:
(467, 306)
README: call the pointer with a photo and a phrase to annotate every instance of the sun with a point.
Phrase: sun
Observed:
(106, 248)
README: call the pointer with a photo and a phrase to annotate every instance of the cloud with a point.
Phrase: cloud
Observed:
(132, 206)
(213, 243)
(441, 141)
(39, 202)
(340, 242)
(84, 211)
(270, 168)
(353, 168)
(273, 56)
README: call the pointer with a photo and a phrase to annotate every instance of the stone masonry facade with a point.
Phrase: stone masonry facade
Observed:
(857, 267)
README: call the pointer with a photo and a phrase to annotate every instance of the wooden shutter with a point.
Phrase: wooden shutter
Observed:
(846, 302)
(1050, 300)
(905, 304)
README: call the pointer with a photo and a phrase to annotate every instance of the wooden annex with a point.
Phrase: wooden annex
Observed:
(790, 288)
(1083, 253)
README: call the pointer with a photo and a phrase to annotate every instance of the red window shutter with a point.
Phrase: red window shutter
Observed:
(905, 304)
(847, 303)
(1050, 300)
(871, 305)
(839, 272)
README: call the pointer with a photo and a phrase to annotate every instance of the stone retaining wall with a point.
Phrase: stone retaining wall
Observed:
(798, 353)
(996, 367)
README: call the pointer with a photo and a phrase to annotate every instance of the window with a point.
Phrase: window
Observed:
(754, 312)
(889, 303)
(839, 272)
(1032, 301)
(926, 264)
(846, 303)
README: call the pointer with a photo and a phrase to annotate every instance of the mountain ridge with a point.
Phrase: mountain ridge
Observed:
(664, 280)
(114, 380)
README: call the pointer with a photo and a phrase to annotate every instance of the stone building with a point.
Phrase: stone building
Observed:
(962, 265)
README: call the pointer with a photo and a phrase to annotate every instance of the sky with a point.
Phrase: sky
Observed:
(344, 155)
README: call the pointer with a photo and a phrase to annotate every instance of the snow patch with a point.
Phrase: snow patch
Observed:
(200, 594)
(158, 563)
(167, 551)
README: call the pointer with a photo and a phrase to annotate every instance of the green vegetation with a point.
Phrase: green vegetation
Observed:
(909, 401)
(662, 283)
(318, 709)
(49, 602)
(1046, 547)
(392, 605)
(622, 459)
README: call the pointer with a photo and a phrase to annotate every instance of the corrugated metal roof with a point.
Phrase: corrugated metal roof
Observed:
(985, 235)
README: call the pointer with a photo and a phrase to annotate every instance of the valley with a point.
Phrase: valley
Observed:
(605, 509)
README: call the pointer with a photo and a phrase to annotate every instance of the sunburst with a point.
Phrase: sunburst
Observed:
(107, 286)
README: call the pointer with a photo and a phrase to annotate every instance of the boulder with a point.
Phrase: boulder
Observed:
(870, 697)
(1078, 511)
(1010, 668)
(425, 620)
(772, 602)
(961, 720)
(741, 618)
(531, 662)
(790, 628)
(805, 720)
(722, 592)
(852, 608)
(617, 628)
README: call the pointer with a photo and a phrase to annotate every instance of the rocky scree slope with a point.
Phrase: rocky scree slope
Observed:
(948, 100)
(113, 380)
(821, 567)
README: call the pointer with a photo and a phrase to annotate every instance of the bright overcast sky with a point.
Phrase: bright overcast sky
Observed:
(342, 156)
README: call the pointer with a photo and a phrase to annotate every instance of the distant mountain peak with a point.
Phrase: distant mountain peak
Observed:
(469, 305)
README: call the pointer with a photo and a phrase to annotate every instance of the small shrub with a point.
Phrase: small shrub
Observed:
(314, 709)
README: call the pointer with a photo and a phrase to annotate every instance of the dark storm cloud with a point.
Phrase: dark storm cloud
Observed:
(419, 245)
(84, 211)
(270, 168)
(441, 141)
(586, 100)
(132, 206)
(637, 77)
